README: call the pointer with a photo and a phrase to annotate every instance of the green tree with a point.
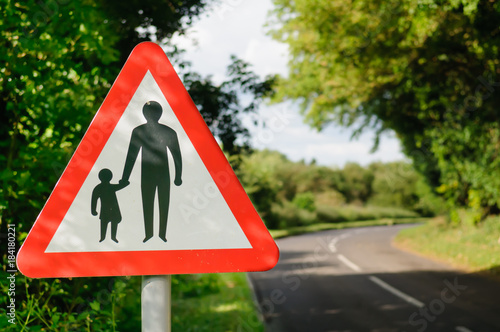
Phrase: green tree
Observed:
(305, 201)
(397, 184)
(259, 173)
(221, 104)
(424, 69)
(394, 185)
(356, 185)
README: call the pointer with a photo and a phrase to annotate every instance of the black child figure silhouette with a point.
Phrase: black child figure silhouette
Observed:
(153, 140)
(110, 211)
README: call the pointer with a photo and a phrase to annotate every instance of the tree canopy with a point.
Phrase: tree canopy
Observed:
(424, 69)
(222, 104)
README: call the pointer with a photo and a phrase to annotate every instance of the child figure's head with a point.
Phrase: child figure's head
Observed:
(105, 175)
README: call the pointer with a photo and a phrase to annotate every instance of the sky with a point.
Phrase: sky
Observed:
(238, 27)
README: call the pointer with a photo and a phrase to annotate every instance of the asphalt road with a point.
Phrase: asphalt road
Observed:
(355, 280)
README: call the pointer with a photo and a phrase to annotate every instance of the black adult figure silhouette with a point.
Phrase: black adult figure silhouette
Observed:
(154, 139)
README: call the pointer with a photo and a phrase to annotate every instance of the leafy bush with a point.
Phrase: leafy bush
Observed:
(356, 185)
(80, 304)
(193, 285)
(327, 213)
(429, 203)
(330, 197)
(305, 201)
(289, 194)
(467, 155)
(258, 173)
(331, 214)
(289, 215)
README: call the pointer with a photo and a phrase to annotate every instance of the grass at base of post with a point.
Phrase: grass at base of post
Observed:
(230, 309)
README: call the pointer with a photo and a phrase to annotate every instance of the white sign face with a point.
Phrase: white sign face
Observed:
(198, 216)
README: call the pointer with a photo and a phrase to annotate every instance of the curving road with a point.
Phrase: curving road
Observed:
(355, 280)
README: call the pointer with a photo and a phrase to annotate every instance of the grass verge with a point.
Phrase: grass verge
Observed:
(472, 248)
(230, 309)
(279, 233)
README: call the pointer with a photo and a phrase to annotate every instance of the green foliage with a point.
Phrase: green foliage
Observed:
(468, 159)
(394, 184)
(328, 213)
(291, 194)
(258, 173)
(356, 184)
(398, 184)
(318, 227)
(221, 104)
(288, 215)
(305, 201)
(329, 197)
(427, 70)
(194, 285)
(429, 203)
(81, 304)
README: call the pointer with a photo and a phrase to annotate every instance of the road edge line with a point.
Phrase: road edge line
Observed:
(347, 262)
(396, 292)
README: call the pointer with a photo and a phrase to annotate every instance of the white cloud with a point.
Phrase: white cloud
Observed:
(267, 56)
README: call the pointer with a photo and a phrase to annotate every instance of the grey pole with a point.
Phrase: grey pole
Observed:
(156, 303)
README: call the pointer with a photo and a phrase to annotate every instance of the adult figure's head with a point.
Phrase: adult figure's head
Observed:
(152, 111)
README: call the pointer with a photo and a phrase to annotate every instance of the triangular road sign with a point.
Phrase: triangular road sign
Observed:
(148, 191)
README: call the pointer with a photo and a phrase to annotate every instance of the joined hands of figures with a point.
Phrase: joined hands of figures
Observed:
(124, 182)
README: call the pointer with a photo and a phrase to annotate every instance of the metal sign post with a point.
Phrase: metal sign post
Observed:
(156, 303)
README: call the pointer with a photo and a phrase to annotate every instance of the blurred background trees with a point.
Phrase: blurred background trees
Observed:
(289, 194)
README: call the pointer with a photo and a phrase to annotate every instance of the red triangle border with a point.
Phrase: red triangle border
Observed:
(32, 260)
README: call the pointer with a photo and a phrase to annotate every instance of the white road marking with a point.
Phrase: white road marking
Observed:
(347, 262)
(332, 245)
(397, 292)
